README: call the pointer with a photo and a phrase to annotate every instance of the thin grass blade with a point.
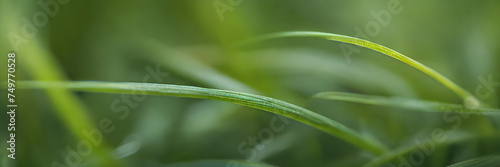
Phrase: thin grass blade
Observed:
(469, 99)
(254, 101)
(421, 105)
(492, 160)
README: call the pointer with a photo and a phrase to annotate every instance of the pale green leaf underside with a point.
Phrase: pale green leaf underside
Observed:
(254, 101)
(493, 160)
(469, 99)
(429, 106)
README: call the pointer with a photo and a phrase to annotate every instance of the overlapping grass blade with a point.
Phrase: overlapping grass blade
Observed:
(254, 101)
(429, 106)
(469, 99)
(492, 160)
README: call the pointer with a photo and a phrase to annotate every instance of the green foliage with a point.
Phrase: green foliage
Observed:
(106, 48)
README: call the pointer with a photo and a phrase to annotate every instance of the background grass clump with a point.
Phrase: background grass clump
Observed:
(183, 85)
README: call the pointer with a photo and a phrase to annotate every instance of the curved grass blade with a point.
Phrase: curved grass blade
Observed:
(492, 160)
(254, 101)
(429, 106)
(469, 99)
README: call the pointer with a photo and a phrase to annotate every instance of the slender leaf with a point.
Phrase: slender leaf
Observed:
(488, 161)
(469, 99)
(254, 101)
(404, 103)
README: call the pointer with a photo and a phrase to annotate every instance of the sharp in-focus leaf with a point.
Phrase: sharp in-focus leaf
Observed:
(220, 163)
(469, 99)
(254, 101)
(488, 161)
(404, 103)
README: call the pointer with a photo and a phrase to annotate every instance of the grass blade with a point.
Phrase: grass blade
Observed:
(254, 101)
(492, 160)
(429, 106)
(469, 99)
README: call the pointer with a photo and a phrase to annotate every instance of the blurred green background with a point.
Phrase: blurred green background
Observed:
(194, 42)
